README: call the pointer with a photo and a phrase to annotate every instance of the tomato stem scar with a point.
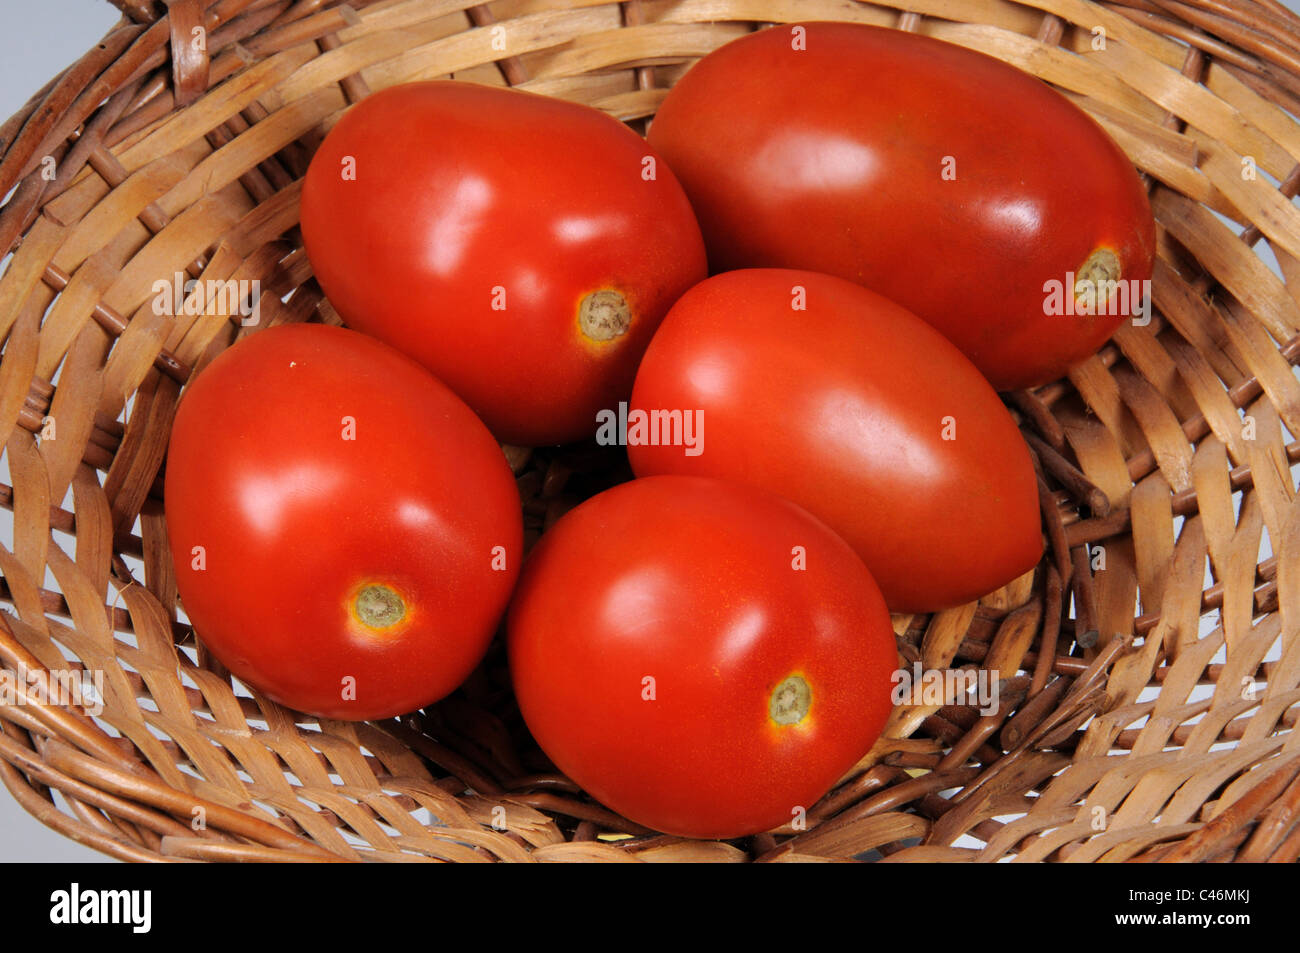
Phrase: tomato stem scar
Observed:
(604, 315)
(790, 701)
(379, 607)
(1097, 271)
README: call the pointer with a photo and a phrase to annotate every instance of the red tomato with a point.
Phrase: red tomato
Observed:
(940, 177)
(700, 656)
(828, 394)
(522, 248)
(345, 532)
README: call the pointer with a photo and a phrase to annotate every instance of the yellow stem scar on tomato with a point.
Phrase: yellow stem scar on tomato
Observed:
(790, 701)
(1097, 274)
(378, 607)
(604, 315)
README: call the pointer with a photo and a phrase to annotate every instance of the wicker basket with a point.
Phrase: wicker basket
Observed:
(1148, 696)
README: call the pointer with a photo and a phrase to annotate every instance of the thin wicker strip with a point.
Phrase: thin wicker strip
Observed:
(1150, 665)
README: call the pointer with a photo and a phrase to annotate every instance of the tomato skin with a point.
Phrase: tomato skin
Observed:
(835, 158)
(842, 408)
(478, 221)
(294, 520)
(691, 582)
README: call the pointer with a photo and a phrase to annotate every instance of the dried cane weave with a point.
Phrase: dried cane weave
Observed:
(1151, 665)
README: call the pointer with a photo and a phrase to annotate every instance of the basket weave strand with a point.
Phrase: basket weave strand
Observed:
(1150, 666)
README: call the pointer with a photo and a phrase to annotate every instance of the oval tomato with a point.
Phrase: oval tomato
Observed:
(827, 394)
(522, 248)
(345, 531)
(964, 189)
(700, 656)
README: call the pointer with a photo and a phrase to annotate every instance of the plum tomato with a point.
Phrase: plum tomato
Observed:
(346, 533)
(703, 657)
(521, 247)
(964, 189)
(832, 396)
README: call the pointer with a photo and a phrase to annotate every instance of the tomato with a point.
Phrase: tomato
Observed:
(702, 657)
(345, 532)
(832, 396)
(958, 186)
(522, 248)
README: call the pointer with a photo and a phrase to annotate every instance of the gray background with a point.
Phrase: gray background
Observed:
(36, 41)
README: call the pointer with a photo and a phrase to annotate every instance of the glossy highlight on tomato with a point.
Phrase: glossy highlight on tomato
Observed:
(521, 247)
(969, 192)
(346, 533)
(703, 657)
(832, 396)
